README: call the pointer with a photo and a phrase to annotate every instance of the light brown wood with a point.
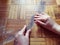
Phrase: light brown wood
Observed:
(19, 15)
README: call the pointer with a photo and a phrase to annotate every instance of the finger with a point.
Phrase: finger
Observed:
(23, 29)
(41, 19)
(36, 16)
(35, 19)
(27, 33)
(43, 13)
(40, 22)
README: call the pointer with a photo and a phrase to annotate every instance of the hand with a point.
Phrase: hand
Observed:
(22, 39)
(44, 20)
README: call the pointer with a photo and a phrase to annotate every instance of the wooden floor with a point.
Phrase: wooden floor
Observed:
(39, 36)
(46, 38)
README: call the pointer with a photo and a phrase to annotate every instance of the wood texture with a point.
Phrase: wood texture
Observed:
(19, 14)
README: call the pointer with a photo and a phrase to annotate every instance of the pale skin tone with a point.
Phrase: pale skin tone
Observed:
(42, 19)
(47, 22)
(21, 38)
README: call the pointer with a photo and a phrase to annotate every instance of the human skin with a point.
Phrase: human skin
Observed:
(47, 22)
(43, 20)
(20, 38)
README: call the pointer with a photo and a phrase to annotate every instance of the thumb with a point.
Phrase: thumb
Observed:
(27, 33)
(23, 29)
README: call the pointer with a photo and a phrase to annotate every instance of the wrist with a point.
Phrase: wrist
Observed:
(56, 28)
